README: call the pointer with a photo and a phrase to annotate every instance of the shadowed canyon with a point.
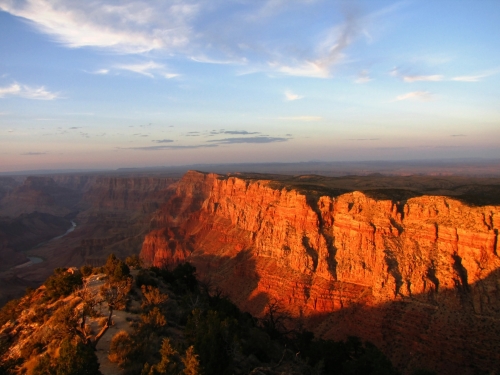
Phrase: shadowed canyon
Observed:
(409, 263)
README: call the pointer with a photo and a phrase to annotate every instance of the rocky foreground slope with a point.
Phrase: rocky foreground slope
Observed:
(419, 277)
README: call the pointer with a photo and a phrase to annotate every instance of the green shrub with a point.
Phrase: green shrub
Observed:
(86, 270)
(62, 283)
(120, 348)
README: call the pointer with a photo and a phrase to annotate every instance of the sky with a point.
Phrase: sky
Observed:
(123, 83)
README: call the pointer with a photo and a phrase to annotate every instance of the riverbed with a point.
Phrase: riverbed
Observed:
(36, 260)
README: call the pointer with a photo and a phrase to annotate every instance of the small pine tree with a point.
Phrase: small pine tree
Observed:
(191, 362)
(76, 359)
(168, 364)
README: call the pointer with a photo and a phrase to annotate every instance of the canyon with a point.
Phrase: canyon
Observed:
(409, 263)
(112, 213)
(419, 277)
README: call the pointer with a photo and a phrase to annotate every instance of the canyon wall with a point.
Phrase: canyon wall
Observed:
(418, 278)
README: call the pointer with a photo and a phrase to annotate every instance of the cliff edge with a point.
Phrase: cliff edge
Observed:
(418, 277)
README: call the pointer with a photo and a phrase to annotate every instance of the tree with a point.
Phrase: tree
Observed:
(133, 261)
(169, 362)
(115, 295)
(275, 318)
(116, 269)
(62, 283)
(76, 359)
(152, 297)
(191, 363)
(213, 338)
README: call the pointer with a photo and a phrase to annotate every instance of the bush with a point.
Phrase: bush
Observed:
(120, 348)
(116, 269)
(86, 270)
(77, 359)
(133, 261)
(62, 283)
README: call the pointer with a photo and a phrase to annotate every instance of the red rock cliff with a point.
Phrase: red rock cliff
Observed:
(420, 279)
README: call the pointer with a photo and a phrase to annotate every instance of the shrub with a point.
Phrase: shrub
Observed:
(116, 269)
(133, 261)
(120, 348)
(77, 359)
(62, 283)
(86, 270)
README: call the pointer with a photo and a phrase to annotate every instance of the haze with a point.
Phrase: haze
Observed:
(136, 83)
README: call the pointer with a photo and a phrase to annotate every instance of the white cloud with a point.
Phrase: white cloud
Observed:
(148, 69)
(477, 77)
(363, 77)
(101, 71)
(431, 78)
(416, 78)
(307, 69)
(301, 118)
(170, 75)
(27, 92)
(290, 96)
(131, 27)
(205, 31)
(468, 78)
(144, 68)
(415, 95)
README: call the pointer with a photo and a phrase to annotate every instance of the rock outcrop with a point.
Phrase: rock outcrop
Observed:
(419, 278)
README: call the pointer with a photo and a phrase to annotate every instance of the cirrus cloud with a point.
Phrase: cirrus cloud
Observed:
(290, 96)
(415, 95)
(188, 28)
(28, 92)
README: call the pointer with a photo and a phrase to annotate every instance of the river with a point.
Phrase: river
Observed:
(36, 260)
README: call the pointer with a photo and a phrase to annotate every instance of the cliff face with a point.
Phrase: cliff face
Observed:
(419, 278)
(142, 194)
(40, 194)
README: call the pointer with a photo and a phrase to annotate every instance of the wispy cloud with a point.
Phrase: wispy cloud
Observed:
(162, 141)
(236, 132)
(260, 139)
(290, 96)
(330, 51)
(148, 69)
(100, 72)
(415, 95)
(33, 153)
(28, 92)
(129, 27)
(477, 77)
(430, 78)
(415, 77)
(363, 77)
(468, 78)
(245, 35)
(301, 118)
(172, 147)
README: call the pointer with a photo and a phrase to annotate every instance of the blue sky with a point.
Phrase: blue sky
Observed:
(107, 84)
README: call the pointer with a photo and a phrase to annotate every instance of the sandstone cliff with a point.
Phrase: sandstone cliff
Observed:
(419, 277)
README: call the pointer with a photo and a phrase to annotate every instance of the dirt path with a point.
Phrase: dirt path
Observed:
(120, 323)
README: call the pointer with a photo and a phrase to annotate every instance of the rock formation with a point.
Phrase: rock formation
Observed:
(420, 278)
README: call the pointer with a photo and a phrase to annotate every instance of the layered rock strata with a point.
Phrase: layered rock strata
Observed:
(419, 278)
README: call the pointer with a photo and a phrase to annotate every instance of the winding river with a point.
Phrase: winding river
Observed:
(36, 260)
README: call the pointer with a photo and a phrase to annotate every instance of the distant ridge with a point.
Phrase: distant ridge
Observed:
(472, 167)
